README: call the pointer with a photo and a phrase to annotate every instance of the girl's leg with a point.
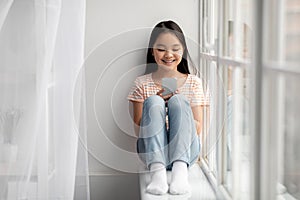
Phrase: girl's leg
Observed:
(152, 143)
(184, 144)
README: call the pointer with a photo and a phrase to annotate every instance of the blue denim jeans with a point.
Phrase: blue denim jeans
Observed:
(179, 141)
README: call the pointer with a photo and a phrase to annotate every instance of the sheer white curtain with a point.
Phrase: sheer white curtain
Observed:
(42, 100)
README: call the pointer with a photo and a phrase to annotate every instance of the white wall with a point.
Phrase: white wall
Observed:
(117, 33)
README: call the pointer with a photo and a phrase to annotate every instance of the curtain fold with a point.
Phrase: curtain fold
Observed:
(4, 9)
(42, 104)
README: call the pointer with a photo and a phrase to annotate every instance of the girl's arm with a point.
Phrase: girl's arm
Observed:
(198, 113)
(137, 116)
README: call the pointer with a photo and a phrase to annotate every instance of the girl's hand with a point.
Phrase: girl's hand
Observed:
(166, 97)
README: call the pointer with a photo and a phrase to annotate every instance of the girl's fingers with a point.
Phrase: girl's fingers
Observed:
(159, 93)
(166, 97)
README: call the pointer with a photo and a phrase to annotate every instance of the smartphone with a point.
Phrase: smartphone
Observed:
(169, 85)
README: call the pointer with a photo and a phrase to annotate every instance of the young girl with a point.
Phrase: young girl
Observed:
(169, 125)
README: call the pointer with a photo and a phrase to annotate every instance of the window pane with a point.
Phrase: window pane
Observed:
(292, 34)
(281, 100)
(236, 177)
(236, 42)
(211, 134)
(281, 125)
(291, 150)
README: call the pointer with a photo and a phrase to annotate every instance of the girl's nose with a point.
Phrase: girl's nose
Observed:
(168, 54)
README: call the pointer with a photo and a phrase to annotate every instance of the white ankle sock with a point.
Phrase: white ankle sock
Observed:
(179, 181)
(158, 184)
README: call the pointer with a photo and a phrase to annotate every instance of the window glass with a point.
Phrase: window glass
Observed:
(291, 137)
(291, 149)
(208, 47)
(225, 53)
(210, 134)
(237, 46)
(281, 100)
(292, 33)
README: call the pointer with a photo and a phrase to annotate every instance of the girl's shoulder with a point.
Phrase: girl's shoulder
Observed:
(145, 76)
(194, 79)
(144, 79)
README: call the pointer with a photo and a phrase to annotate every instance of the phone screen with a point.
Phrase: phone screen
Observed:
(169, 85)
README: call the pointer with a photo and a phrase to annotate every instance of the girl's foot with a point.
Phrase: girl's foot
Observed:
(158, 184)
(179, 181)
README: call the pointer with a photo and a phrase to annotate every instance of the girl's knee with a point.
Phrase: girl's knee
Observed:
(156, 102)
(178, 99)
(155, 99)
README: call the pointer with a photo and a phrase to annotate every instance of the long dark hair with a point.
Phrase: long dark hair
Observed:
(167, 27)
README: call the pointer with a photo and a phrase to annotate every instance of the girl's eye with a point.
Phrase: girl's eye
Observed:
(176, 49)
(160, 50)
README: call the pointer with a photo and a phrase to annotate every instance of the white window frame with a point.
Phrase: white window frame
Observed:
(212, 52)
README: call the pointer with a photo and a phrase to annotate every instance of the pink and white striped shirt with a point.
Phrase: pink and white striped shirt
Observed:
(192, 89)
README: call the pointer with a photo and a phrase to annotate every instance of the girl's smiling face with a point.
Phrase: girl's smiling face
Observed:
(167, 51)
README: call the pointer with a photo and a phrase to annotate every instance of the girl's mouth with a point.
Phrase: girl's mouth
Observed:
(168, 61)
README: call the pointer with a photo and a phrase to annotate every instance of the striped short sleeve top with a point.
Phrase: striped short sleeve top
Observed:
(145, 87)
